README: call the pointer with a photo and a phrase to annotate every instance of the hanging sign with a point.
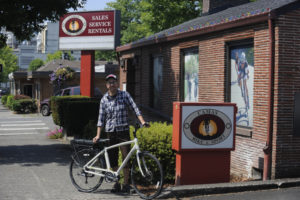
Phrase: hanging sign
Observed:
(96, 30)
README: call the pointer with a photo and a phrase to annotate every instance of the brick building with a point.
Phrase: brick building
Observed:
(241, 52)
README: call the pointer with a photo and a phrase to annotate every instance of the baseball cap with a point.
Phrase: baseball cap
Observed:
(111, 76)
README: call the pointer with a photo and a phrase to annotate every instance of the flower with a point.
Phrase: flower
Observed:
(61, 74)
(55, 134)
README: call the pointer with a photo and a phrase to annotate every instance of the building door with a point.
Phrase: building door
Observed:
(130, 78)
(28, 90)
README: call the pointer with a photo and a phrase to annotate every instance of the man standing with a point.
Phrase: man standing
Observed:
(113, 117)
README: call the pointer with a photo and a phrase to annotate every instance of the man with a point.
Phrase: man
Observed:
(113, 118)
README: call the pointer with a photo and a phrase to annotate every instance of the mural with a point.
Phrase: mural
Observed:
(191, 70)
(157, 80)
(242, 75)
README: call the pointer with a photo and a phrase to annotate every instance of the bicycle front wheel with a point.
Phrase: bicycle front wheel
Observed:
(147, 180)
(85, 182)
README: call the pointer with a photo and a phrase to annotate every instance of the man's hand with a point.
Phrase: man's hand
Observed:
(95, 139)
(146, 124)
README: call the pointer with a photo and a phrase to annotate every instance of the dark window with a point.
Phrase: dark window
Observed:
(297, 115)
(66, 92)
(76, 91)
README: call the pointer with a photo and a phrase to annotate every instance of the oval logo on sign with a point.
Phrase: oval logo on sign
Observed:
(74, 25)
(207, 127)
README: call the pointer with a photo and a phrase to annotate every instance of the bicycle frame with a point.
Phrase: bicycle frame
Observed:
(98, 171)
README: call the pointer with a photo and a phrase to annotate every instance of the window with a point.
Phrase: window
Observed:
(67, 92)
(190, 73)
(241, 82)
(157, 80)
(76, 91)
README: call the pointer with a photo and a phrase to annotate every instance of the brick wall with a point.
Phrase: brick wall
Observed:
(212, 61)
(287, 83)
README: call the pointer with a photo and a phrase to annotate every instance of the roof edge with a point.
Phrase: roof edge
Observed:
(208, 29)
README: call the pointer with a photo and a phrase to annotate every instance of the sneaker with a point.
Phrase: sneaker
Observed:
(126, 189)
(116, 188)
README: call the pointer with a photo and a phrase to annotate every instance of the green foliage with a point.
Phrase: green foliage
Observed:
(9, 62)
(158, 140)
(9, 101)
(24, 18)
(142, 18)
(55, 134)
(4, 99)
(77, 114)
(57, 107)
(24, 106)
(35, 64)
(105, 55)
(54, 56)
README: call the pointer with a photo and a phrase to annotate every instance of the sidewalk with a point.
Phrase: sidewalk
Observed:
(221, 188)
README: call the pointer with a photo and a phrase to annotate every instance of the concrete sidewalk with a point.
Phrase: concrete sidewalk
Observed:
(221, 188)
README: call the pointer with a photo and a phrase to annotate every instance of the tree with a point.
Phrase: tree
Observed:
(105, 55)
(35, 64)
(24, 18)
(9, 62)
(142, 18)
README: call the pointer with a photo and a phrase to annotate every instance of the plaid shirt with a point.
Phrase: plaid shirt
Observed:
(113, 112)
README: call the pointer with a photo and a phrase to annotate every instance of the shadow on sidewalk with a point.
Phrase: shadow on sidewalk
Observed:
(35, 155)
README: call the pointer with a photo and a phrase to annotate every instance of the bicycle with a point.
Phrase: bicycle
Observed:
(90, 165)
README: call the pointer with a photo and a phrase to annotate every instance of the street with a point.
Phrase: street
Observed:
(279, 194)
(33, 167)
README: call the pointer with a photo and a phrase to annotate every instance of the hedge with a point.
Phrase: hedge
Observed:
(57, 107)
(24, 106)
(9, 101)
(74, 113)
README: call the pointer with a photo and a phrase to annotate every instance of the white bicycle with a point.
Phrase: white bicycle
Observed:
(90, 165)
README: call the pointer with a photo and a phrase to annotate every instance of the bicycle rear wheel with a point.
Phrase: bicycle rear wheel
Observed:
(148, 183)
(85, 182)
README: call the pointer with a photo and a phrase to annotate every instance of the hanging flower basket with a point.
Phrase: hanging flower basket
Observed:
(61, 74)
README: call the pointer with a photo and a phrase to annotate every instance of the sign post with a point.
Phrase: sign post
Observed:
(203, 137)
(89, 31)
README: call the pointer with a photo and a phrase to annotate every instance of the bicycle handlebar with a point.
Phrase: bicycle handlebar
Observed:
(138, 126)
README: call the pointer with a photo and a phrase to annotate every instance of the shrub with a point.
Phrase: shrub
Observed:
(158, 140)
(9, 101)
(74, 113)
(24, 106)
(57, 107)
(4, 99)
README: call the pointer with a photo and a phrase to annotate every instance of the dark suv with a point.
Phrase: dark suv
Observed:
(45, 104)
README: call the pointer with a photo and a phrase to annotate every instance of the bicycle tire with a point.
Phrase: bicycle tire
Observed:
(85, 182)
(150, 185)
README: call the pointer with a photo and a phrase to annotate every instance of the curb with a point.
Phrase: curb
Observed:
(221, 188)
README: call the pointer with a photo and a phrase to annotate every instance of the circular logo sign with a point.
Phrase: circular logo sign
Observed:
(207, 127)
(73, 25)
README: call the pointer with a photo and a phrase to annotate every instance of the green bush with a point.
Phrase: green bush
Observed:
(9, 101)
(74, 113)
(4, 99)
(158, 140)
(24, 106)
(57, 107)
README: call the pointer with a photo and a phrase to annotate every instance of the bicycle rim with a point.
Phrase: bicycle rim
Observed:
(148, 186)
(83, 181)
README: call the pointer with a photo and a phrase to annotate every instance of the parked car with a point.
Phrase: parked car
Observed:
(45, 104)
(4, 91)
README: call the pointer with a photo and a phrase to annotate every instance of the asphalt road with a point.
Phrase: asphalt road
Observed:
(278, 194)
(33, 167)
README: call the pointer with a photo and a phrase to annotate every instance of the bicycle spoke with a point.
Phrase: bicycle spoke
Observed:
(82, 180)
(148, 182)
